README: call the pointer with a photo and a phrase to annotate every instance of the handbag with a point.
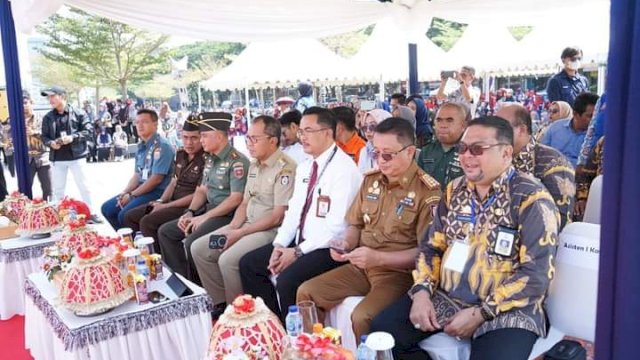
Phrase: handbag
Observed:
(566, 350)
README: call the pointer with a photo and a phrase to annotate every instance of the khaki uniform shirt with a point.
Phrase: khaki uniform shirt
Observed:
(188, 174)
(394, 217)
(269, 184)
(224, 173)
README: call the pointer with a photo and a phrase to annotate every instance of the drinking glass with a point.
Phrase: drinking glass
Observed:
(309, 313)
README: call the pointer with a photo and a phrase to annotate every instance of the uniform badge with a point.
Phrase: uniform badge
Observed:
(411, 195)
(238, 170)
(156, 153)
(376, 184)
(366, 218)
(284, 180)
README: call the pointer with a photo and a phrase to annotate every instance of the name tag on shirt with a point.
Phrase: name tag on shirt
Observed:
(504, 241)
(458, 255)
(145, 174)
(324, 205)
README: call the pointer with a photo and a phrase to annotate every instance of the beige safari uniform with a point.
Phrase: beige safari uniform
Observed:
(391, 217)
(269, 184)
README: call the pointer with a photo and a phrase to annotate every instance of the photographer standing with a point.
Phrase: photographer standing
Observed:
(66, 131)
(466, 93)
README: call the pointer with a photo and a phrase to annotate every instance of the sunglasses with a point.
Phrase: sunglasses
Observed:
(388, 156)
(370, 127)
(554, 111)
(475, 149)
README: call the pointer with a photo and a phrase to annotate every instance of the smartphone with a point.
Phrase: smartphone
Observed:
(217, 242)
(448, 74)
(340, 251)
(157, 297)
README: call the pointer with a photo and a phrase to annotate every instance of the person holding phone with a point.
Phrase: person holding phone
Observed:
(215, 199)
(67, 131)
(177, 196)
(465, 93)
(256, 221)
(386, 220)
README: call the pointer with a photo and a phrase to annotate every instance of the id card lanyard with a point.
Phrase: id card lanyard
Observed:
(147, 160)
(485, 206)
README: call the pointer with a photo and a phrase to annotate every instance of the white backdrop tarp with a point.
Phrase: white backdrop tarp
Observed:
(251, 20)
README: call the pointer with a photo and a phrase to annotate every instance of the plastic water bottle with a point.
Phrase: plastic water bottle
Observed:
(364, 352)
(293, 322)
(143, 269)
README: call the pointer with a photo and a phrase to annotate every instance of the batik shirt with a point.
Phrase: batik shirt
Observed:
(554, 171)
(510, 284)
(593, 167)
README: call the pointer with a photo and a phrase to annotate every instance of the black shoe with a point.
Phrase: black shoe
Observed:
(95, 219)
(218, 310)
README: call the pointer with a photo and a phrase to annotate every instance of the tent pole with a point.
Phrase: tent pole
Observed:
(14, 96)
(413, 69)
(602, 71)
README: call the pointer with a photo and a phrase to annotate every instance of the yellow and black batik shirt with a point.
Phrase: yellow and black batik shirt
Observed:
(511, 288)
(554, 171)
(593, 167)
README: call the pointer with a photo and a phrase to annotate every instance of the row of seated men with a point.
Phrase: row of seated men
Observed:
(471, 255)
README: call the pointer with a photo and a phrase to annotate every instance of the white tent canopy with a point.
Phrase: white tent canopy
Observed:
(281, 63)
(251, 20)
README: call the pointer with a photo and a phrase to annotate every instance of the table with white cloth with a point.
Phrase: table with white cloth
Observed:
(20, 257)
(177, 328)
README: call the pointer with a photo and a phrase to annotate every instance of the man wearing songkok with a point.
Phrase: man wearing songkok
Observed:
(214, 201)
(148, 217)
(323, 191)
(153, 169)
(484, 268)
(256, 221)
(390, 213)
(543, 162)
(439, 157)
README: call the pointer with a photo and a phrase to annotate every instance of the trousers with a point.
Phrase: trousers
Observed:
(380, 288)
(115, 215)
(502, 344)
(149, 224)
(256, 278)
(78, 170)
(176, 247)
(44, 177)
(219, 270)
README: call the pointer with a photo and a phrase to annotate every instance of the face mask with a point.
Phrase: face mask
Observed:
(574, 65)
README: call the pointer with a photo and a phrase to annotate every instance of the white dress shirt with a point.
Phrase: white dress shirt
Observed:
(340, 182)
(296, 152)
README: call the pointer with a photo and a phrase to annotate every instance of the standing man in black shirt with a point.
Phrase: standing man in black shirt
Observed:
(66, 131)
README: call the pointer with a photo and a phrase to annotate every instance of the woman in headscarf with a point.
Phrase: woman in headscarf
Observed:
(423, 126)
(120, 143)
(558, 110)
(306, 97)
(371, 120)
(404, 112)
(104, 144)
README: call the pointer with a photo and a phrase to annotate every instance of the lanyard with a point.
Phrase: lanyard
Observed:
(333, 153)
(487, 203)
(147, 159)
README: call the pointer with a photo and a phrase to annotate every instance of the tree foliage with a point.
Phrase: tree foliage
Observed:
(51, 73)
(519, 32)
(445, 33)
(102, 50)
(348, 44)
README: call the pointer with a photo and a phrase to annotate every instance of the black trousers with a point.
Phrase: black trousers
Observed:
(176, 248)
(44, 176)
(256, 277)
(503, 344)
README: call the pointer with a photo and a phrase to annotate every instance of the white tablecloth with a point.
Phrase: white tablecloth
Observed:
(20, 257)
(175, 329)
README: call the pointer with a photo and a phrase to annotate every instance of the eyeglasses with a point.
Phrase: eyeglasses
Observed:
(388, 156)
(369, 127)
(255, 139)
(554, 111)
(307, 131)
(475, 149)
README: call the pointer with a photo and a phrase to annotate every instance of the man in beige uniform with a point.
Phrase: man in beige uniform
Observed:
(255, 223)
(387, 219)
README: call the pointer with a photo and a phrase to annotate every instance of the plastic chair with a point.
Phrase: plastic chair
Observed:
(594, 202)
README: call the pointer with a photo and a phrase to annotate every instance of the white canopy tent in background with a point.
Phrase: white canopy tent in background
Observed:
(282, 63)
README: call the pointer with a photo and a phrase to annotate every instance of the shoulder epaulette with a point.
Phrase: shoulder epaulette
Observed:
(371, 172)
(431, 183)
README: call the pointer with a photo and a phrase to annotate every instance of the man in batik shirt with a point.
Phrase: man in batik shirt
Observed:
(592, 168)
(484, 269)
(543, 162)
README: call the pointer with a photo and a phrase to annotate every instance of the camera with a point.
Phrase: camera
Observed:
(217, 242)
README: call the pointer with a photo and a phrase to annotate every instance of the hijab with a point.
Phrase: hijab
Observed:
(565, 110)
(422, 116)
(378, 115)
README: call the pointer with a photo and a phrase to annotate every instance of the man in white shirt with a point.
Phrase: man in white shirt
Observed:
(466, 94)
(290, 122)
(325, 187)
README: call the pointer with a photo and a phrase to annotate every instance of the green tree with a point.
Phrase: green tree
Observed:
(348, 44)
(519, 32)
(445, 33)
(103, 50)
(51, 73)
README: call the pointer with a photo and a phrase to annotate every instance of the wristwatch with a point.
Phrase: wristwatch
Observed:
(298, 252)
(193, 212)
(420, 287)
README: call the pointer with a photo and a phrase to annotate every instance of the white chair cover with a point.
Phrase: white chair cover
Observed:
(594, 202)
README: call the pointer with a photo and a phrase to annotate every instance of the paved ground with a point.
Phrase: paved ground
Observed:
(106, 179)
